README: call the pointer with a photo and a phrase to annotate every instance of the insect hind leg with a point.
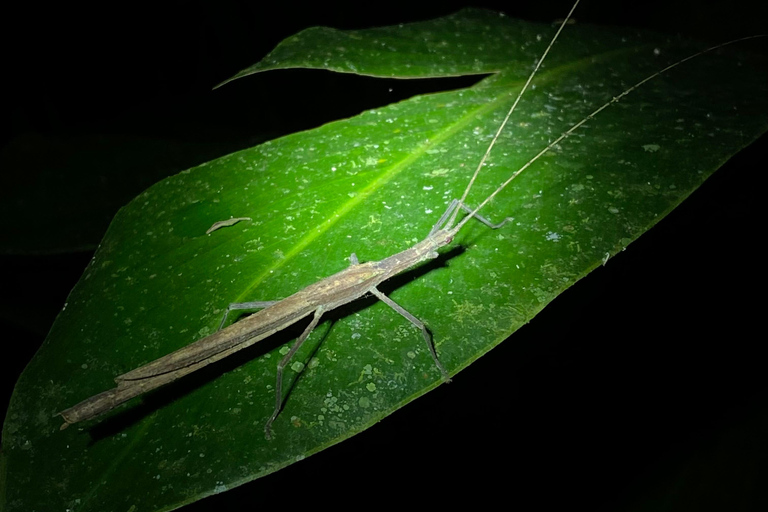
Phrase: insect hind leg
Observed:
(283, 363)
(237, 306)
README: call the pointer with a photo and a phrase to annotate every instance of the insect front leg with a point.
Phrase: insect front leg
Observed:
(444, 217)
(483, 219)
(418, 323)
(440, 224)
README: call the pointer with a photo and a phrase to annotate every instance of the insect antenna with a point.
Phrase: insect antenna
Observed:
(506, 118)
(590, 116)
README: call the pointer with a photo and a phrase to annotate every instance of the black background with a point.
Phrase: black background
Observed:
(640, 388)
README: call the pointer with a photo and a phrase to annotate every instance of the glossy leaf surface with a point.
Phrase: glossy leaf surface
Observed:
(373, 185)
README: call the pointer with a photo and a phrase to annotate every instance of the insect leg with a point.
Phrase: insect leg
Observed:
(444, 217)
(418, 323)
(483, 219)
(455, 204)
(246, 305)
(283, 363)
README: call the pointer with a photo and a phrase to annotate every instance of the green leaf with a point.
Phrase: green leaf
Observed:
(373, 185)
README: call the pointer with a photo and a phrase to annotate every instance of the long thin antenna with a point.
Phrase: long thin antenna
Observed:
(590, 116)
(509, 113)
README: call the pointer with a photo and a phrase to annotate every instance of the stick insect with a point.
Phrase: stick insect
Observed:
(317, 299)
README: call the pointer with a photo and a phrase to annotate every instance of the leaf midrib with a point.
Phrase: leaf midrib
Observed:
(394, 170)
(389, 174)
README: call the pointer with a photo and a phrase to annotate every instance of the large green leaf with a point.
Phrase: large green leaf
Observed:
(373, 185)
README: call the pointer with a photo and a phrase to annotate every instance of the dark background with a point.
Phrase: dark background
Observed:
(640, 388)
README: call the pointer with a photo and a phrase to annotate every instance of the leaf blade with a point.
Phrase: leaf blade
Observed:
(141, 245)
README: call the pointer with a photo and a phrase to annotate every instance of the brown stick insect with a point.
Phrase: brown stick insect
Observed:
(359, 280)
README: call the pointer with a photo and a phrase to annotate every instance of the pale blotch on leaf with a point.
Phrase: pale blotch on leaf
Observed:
(225, 223)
